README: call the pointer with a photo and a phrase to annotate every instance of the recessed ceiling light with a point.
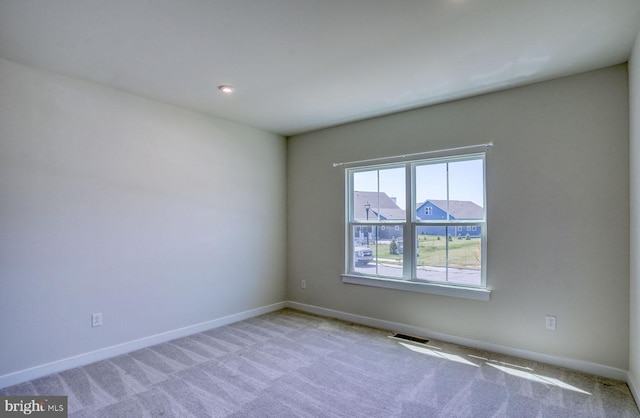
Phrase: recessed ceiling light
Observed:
(226, 89)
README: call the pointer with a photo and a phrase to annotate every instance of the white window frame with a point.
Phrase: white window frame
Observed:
(409, 226)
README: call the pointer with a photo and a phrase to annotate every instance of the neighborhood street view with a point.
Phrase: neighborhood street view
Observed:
(464, 260)
(439, 201)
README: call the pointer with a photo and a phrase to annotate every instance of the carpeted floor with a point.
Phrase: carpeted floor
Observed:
(288, 364)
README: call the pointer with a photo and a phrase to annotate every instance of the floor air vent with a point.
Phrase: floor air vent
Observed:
(411, 338)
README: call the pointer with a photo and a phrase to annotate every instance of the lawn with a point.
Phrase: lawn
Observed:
(463, 253)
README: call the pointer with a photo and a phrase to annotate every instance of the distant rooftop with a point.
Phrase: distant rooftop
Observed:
(381, 204)
(460, 209)
(384, 206)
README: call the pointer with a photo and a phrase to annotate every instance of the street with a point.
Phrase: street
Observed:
(437, 274)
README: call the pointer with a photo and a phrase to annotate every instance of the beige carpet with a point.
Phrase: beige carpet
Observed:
(291, 364)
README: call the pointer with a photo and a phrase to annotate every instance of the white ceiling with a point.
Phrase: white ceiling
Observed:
(300, 65)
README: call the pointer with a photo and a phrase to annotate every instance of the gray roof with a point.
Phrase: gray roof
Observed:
(460, 209)
(381, 204)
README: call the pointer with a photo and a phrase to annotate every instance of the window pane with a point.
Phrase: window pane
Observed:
(454, 188)
(466, 184)
(447, 256)
(431, 255)
(379, 195)
(376, 251)
(465, 258)
(431, 192)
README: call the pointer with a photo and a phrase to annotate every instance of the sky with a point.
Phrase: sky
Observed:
(465, 182)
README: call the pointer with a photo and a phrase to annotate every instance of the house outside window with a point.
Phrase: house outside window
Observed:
(433, 200)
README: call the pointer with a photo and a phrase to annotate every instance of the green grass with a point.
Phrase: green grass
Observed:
(432, 252)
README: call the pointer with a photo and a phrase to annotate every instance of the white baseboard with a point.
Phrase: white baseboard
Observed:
(633, 387)
(21, 376)
(579, 365)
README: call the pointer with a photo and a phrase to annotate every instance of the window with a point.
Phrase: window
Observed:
(451, 192)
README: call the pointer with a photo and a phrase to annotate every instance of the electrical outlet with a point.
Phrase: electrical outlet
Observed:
(303, 284)
(550, 322)
(96, 320)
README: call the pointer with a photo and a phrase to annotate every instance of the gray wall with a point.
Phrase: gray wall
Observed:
(558, 216)
(634, 145)
(158, 217)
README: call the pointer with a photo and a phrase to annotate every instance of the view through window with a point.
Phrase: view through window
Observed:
(421, 221)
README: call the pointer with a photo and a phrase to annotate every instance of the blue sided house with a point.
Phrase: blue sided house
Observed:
(436, 210)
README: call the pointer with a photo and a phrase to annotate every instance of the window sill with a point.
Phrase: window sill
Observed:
(432, 288)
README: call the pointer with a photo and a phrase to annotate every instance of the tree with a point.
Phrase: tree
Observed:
(393, 247)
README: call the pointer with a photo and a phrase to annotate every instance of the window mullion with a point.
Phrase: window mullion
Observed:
(446, 251)
(446, 254)
(408, 255)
